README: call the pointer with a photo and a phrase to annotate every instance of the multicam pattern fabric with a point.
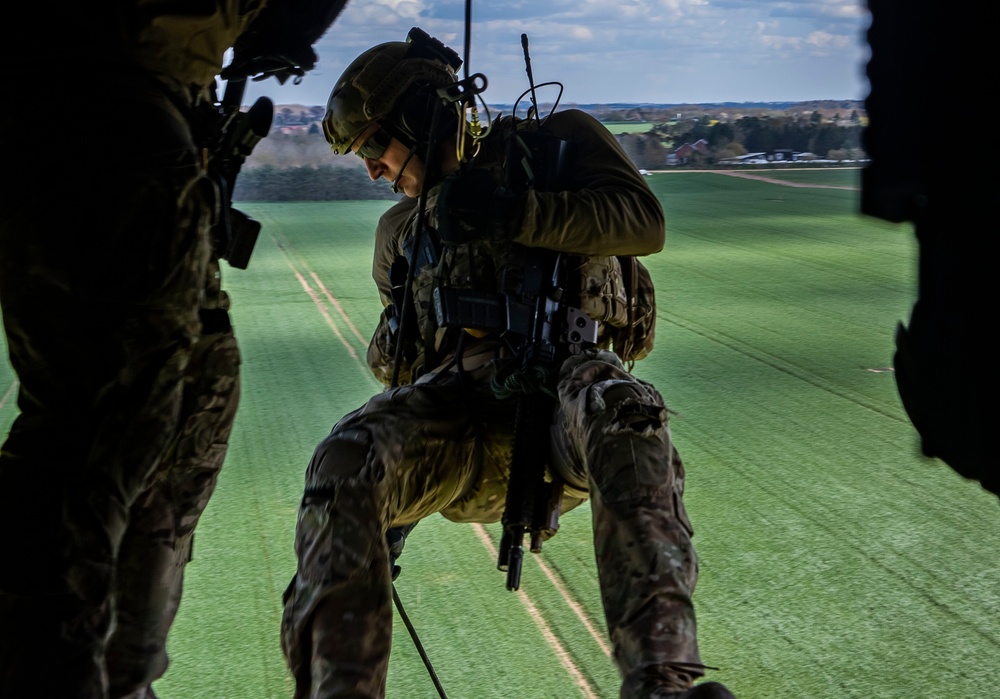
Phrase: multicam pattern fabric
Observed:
(443, 443)
(125, 404)
(158, 544)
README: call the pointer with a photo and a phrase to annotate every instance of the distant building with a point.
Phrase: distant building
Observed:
(682, 155)
(780, 155)
(291, 129)
(746, 159)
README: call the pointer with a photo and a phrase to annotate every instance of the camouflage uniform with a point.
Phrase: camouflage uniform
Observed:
(442, 443)
(119, 335)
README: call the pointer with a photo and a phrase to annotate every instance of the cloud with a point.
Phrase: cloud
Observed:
(626, 50)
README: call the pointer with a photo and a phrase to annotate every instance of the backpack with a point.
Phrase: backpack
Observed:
(634, 340)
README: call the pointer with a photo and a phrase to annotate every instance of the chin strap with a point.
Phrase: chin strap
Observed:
(394, 186)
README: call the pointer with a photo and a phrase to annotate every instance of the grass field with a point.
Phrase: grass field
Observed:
(620, 127)
(813, 177)
(835, 562)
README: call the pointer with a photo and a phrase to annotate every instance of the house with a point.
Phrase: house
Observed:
(291, 129)
(682, 155)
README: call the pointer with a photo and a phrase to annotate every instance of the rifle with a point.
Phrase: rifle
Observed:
(234, 138)
(552, 331)
(531, 312)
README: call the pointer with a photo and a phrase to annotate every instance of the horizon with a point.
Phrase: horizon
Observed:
(776, 104)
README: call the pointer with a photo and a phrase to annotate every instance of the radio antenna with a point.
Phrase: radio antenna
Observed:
(531, 78)
(468, 35)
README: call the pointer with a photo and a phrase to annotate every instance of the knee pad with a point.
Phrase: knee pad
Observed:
(341, 457)
(629, 406)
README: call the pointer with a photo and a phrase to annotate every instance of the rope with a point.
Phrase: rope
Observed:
(416, 642)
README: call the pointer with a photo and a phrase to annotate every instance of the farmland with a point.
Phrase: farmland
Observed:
(835, 561)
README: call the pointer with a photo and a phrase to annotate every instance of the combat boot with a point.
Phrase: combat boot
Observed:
(709, 690)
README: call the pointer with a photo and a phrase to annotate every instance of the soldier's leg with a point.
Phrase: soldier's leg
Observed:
(157, 545)
(615, 437)
(100, 296)
(406, 454)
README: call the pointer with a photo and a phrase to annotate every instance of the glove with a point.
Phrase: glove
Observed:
(280, 65)
(471, 207)
(396, 537)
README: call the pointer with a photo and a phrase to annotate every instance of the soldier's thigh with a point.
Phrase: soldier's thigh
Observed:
(410, 449)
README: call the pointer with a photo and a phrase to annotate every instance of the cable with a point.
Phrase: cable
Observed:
(416, 642)
(546, 84)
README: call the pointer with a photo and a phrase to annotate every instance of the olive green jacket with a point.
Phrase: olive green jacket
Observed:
(605, 210)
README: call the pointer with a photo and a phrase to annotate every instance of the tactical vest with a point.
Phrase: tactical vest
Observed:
(616, 292)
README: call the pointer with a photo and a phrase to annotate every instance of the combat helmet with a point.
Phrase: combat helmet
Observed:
(392, 84)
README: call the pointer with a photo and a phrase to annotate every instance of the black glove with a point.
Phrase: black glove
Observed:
(282, 66)
(278, 43)
(472, 207)
(396, 537)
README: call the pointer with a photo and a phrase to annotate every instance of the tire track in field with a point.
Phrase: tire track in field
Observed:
(773, 180)
(564, 656)
(896, 564)
(575, 606)
(779, 364)
(7, 395)
(746, 174)
(322, 297)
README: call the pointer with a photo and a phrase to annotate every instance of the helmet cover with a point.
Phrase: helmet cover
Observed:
(374, 86)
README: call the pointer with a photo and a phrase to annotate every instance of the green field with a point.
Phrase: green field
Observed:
(836, 563)
(827, 177)
(620, 127)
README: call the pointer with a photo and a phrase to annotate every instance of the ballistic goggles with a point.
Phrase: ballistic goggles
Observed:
(374, 146)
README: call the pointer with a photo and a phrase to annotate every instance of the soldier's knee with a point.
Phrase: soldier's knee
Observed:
(630, 407)
(629, 452)
(340, 460)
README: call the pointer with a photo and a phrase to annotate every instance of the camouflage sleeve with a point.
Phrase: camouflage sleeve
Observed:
(389, 233)
(609, 209)
(382, 355)
(389, 236)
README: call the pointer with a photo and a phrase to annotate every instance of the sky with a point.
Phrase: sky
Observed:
(606, 51)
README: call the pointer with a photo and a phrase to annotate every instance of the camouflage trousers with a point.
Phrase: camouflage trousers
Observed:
(442, 445)
(128, 382)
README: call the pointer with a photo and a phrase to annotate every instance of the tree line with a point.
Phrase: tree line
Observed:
(837, 139)
(298, 167)
(308, 183)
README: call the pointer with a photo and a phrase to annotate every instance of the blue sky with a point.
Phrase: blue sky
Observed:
(662, 51)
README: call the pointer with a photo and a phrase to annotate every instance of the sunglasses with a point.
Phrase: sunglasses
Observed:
(374, 146)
